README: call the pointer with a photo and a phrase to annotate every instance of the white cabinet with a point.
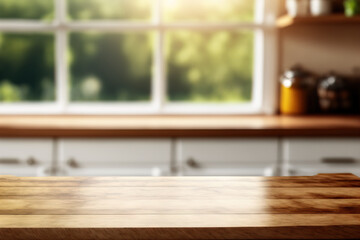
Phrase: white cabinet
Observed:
(26, 157)
(221, 157)
(310, 156)
(114, 157)
(185, 156)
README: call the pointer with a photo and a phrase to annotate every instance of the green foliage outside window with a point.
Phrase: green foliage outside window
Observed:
(201, 66)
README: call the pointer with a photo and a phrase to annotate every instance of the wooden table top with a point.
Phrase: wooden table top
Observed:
(179, 126)
(180, 208)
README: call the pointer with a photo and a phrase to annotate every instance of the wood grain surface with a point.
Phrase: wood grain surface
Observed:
(326, 206)
(286, 21)
(179, 126)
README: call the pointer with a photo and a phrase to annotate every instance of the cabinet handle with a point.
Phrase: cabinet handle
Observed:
(338, 160)
(191, 162)
(31, 161)
(9, 161)
(72, 163)
(293, 172)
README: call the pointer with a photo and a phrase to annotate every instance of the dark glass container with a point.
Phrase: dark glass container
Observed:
(334, 95)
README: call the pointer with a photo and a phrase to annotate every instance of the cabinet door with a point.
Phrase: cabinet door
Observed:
(115, 157)
(310, 156)
(221, 157)
(25, 157)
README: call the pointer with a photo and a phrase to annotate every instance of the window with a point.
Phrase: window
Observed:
(134, 56)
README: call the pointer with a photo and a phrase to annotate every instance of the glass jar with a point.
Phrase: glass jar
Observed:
(320, 7)
(297, 8)
(294, 93)
(334, 95)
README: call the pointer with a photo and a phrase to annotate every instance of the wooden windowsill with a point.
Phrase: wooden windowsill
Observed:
(178, 126)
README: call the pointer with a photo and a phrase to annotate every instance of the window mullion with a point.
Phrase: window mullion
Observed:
(62, 88)
(269, 56)
(159, 79)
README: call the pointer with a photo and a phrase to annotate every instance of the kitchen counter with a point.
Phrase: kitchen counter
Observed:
(174, 208)
(179, 126)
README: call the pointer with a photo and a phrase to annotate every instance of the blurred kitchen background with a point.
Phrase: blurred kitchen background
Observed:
(179, 87)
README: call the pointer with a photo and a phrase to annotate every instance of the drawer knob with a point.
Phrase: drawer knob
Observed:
(9, 161)
(31, 161)
(72, 163)
(191, 162)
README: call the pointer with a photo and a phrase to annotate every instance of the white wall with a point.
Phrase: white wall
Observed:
(321, 48)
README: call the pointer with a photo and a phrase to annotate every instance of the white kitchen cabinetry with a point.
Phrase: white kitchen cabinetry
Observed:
(114, 157)
(310, 156)
(224, 157)
(184, 156)
(26, 157)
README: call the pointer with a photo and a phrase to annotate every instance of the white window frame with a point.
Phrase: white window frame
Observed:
(264, 70)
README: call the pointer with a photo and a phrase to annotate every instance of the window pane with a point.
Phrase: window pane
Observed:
(111, 67)
(110, 9)
(26, 67)
(27, 9)
(209, 10)
(210, 66)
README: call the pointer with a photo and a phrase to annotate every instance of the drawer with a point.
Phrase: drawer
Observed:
(25, 157)
(233, 170)
(115, 157)
(308, 157)
(320, 150)
(219, 157)
(298, 169)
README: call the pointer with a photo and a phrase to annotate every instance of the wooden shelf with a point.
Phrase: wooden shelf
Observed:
(179, 126)
(286, 20)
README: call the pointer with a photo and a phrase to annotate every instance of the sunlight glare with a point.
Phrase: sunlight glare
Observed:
(172, 4)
